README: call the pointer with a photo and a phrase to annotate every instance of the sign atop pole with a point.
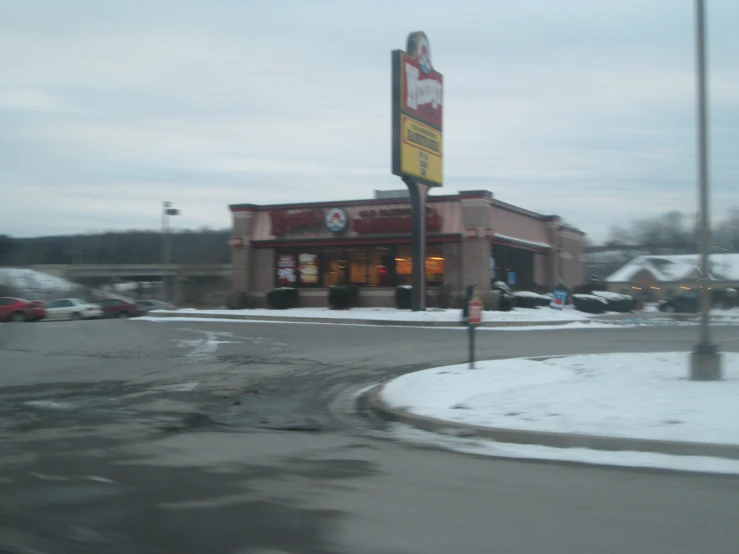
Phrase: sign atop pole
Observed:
(418, 94)
(417, 113)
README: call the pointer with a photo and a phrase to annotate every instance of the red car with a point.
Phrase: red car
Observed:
(114, 307)
(17, 309)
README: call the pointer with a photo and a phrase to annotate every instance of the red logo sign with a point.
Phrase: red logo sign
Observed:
(393, 221)
(421, 85)
(283, 221)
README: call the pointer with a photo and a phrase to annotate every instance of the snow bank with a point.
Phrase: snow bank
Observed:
(34, 285)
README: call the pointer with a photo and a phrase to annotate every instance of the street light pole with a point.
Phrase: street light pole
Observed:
(167, 210)
(705, 359)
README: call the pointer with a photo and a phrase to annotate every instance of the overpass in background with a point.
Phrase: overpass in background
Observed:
(204, 284)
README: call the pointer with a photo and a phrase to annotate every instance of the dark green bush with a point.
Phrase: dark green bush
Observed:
(403, 297)
(239, 300)
(545, 301)
(282, 298)
(621, 303)
(527, 300)
(589, 304)
(343, 297)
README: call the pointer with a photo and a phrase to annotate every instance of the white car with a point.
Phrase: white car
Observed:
(72, 308)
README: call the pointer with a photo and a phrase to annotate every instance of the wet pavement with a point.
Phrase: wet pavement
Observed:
(133, 436)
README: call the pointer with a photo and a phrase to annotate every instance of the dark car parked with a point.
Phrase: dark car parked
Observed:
(689, 302)
(115, 307)
(17, 309)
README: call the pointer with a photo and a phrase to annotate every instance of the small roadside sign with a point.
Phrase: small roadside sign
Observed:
(474, 312)
(559, 299)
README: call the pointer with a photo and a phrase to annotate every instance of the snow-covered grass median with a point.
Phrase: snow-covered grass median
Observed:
(620, 395)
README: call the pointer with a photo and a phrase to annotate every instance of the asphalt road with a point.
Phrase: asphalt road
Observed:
(142, 437)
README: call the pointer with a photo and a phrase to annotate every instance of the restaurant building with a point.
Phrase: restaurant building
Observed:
(471, 238)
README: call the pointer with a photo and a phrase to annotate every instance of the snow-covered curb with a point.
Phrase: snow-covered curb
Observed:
(631, 459)
(391, 314)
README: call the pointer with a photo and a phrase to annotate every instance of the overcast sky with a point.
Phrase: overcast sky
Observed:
(577, 107)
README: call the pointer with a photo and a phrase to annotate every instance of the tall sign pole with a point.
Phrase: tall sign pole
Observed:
(417, 112)
(705, 360)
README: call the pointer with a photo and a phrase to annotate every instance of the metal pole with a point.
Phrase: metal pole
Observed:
(472, 345)
(705, 360)
(705, 301)
(165, 250)
(418, 243)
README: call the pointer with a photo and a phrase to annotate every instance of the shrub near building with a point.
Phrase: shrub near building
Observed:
(282, 298)
(589, 303)
(622, 303)
(343, 297)
(239, 300)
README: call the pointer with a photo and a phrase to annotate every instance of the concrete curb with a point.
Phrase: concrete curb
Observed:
(542, 438)
(376, 322)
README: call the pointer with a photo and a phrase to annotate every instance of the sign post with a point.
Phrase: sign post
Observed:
(417, 142)
(474, 318)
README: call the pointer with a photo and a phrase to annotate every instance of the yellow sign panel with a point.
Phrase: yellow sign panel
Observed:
(420, 150)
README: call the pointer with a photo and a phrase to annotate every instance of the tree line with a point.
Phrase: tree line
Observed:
(124, 247)
(665, 234)
(676, 233)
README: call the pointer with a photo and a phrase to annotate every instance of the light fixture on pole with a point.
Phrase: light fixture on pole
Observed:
(167, 211)
(705, 360)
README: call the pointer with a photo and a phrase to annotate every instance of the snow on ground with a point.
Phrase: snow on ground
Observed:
(574, 325)
(34, 285)
(621, 395)
(483, 447)
(391, 314)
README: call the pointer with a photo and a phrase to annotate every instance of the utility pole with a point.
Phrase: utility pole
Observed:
(705, 362)
(167, 211)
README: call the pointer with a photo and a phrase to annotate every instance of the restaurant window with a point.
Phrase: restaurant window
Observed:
(286, 270)
(357, 260)
(377, 266)
(381, 267)
(434, 265)
(309, 269)
(514, 266)
(403, 265)
(335, 267)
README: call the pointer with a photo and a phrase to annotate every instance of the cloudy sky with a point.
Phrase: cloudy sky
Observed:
(575, 107)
